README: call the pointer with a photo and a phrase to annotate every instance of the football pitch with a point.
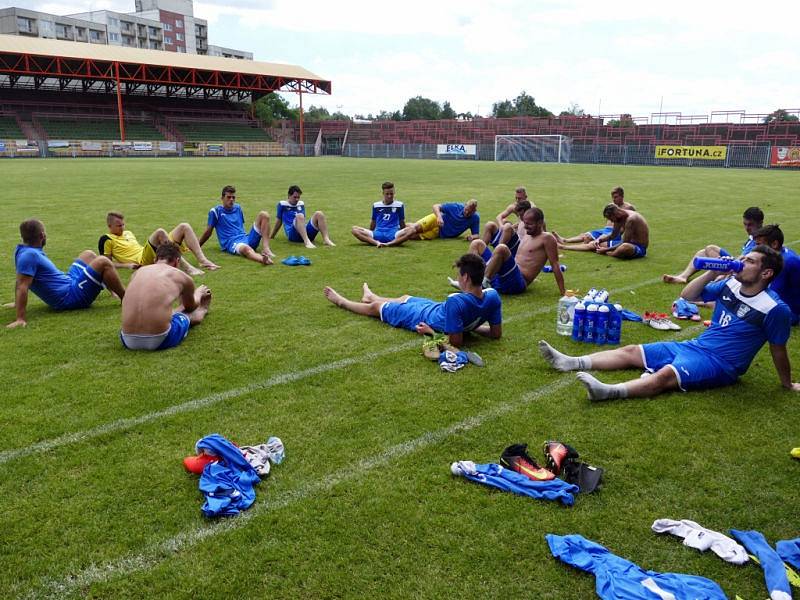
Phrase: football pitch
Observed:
(94, 500)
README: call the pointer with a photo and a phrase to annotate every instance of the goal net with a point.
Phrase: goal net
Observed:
(536, 148)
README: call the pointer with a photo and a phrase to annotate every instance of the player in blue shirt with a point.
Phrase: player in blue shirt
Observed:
(474, 309)
(388, 218)
(228, 219)
(77, 288)
(746, 315)
(447, 220)
(292, 214)
(752, 220)
(787, 283)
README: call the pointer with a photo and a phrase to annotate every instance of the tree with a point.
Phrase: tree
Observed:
(522, 105)
(504, 108)
(421, 108)
(272, 107)
(780, 115)
(316, 113)
(623, 121)
(447, 111)
(574, 110)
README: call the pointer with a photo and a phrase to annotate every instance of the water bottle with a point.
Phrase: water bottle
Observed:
(602, 324)
(717, 264)
(579, 316)
(589, 297)
(565, 314)
(614, 325)
(549, 268)
(590, 324)
(601, 296)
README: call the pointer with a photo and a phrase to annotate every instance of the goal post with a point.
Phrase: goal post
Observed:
(535, 148)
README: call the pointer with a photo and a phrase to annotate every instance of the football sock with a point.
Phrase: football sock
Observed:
(602, 391)
(696, 536)
(563, 362)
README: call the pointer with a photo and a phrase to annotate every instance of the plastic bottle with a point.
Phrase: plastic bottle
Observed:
(614, 325)
(549, 268)
(589, 297)
(602, 324)
(601, 296)
(717, 264)
(565, 314)
(577, 321)
(590, 324)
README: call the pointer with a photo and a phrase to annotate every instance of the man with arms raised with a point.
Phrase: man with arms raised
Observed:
(388, 218)
(448, 220)
(469, 310)
(77, 288)
(148, 320)
(292, 213)
(618, 198)
(752, 219)
(746, 315)
(228, 219)
(512, 273)
(631, 229)
(124, 250)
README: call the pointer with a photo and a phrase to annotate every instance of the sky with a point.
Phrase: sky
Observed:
(609, 57)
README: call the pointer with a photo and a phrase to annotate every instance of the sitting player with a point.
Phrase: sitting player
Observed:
(630, 229)
(228, 219)
(618, 198)
(77, 288)
(746, 315)
(148, 320)
(787, 282)
(511, 272)
(447, 220)
(124, 250)
(504, 231)
(458, 314)
(388, 218)
(752, 219)
(292, 213)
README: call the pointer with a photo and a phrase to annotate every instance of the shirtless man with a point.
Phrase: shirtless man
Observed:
(502, 230)
(629, 226)
(512, 274)
(618, 198)
(148, 320)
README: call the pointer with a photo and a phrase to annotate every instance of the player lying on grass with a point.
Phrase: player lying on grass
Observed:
(512, 271)
(228, 219)
(124, 250)
(292, 214)
(447, 220)
(474, 309)
(752, 219)
(746, 315)
(618, 198)
(504, 231)
(148, 320)
(77, 288)
(388, 218)
(629, 237)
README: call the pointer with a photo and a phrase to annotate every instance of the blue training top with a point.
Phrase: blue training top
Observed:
(787, 283)
(455, 223)
(286, 212)
(49, 284)
(388, 217)
(228, 223)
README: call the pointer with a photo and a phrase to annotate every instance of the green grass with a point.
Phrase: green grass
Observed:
(364, 504)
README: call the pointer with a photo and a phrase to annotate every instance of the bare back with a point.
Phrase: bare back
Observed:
(147, 305)
(534, 252)
(636, 230)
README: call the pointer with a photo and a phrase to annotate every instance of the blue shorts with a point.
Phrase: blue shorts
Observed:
(639, 251)
(509, 279)
(695, 368)
(85, 286)
(379, 235)
(293, 236)
(178, 330)
(252, 239)
(513, 243)
(596, 233)
(405, 315)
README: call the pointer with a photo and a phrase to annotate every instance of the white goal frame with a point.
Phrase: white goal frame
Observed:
(562, 140)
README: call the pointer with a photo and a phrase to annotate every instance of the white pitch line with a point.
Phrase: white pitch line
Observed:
(161, 551)
(122, 424)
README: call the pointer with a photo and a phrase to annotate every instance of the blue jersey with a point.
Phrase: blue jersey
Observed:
(748, 245)
(741, 324)
(455, 223)
(460, 312)
(787, 283)
(49, 284)
(388, 217)
(229, 223)
(287, 212)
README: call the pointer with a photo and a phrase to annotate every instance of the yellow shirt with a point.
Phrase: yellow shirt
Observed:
(123, 248)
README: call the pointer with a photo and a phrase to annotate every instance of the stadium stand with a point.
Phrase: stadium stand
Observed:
(9, 128)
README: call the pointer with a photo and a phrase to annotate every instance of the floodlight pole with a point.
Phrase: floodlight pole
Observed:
(302, 146)
(119, 104)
